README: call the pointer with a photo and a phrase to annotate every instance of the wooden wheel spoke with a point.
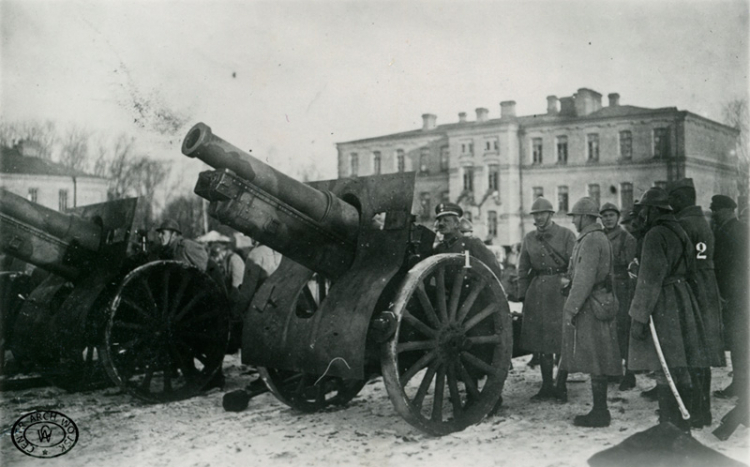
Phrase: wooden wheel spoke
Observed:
(469, 302)
(471, 386)
(133, 326)
(146, 383)
(425, 385)
(131, 344)
(429, 311)
(453, 389)
(203, 336)
(437, 401)
(149, 294)
(187, 369)
(198, 318)
(477, 363)
(476, 319)
(167, 373)
(320, 393)
(193, 301)
(479, 340)
(440, 286)
(458, 283)
(143, 313)
(419, 325)
(416, 345)
(179, 294)
(418, 365)
(165, 294)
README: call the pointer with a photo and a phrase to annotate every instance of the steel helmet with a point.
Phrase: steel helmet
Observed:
(609, 207)
(656, 197)
(169, 224)
(585, 206)
(541, 204)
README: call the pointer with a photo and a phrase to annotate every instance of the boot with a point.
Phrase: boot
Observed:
(669, 411)
(561, 389)
(599, 416)
(706, 394)
(696, 404)
(726, 393)
(548, 390)
(652, 394)
(627, 381)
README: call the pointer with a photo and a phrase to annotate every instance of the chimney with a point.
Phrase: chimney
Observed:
(507, 109)
(428, 121)
(587, 101)
(462, 117)
(552, 105)
(482, 114)
(567, 106)
(614, 99)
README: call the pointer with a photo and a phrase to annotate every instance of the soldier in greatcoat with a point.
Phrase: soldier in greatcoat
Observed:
(624, 249)
(663, 294)
(544, 258)
(589, 317)
(682, 199)
(731, 267)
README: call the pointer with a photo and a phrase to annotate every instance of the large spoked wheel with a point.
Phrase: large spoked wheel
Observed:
(445, 366)
(167, 332)
(303, 391)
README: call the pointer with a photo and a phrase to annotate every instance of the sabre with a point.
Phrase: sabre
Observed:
(663, 361)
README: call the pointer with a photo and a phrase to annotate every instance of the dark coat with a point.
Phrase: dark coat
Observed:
(539, 273)
(624, 248)
(476, 249)
(695, 225)
(188, 251)
(590, 344)
(731, 268)
(663, 293)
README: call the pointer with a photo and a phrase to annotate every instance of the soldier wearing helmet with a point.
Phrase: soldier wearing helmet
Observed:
(662, 293)
(590, 328)
(174, 246)
(624, 248)
(543, 260)
(681, 195)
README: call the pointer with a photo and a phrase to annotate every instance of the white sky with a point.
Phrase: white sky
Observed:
(312, 73)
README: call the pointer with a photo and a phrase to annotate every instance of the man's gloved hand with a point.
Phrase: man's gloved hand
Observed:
(638, 330)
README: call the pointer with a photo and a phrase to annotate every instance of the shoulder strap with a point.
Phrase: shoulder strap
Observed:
(685, 240)
(556, 255)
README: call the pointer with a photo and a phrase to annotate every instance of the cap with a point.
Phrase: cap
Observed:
(683, 183)
(656, 197)
(722, 202)
(169, 224)
(541, 204)
(448, 209)
(609, 207)
(585, 206)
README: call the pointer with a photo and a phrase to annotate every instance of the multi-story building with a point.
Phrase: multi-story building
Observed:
(495, 168)
(46, 183)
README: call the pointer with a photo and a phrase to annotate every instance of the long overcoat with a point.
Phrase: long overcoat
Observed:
(663, 293)
(731, 267)
(590, 344)
(539, 273)
(623, 249)
(695, 225)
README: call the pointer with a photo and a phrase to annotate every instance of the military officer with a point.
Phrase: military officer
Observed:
(690, 217)
(544, 258)
(731, 268)
(663, 294)
(589, 315)
(623, 248)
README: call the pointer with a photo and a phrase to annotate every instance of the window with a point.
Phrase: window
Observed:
(562, 199)
(626, 196)
(493, 177)
(496, 145)
(425, 211)
(445, 156)
(445, 196)
(467, 148)
(377, 162)
(562, 149)
(424, 160)
(661, 184)
(538, 192)
(595, 193)
(490, 144)
(536, 145)
(354, 164)
(400, 163)
(33, 195)
(492, 223)
(63, 200)
(661, 143)
(469, 179)
(593, 146)
(626, 145)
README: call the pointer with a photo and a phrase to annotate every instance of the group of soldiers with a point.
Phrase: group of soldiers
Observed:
(665, 278)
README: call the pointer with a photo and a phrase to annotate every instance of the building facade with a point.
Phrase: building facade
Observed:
(46, 183)
(495, 168)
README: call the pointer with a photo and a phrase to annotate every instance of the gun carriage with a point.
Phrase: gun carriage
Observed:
(359, 293)
(158, 329)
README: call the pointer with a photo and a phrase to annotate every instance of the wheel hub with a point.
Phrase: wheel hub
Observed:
(451, 342)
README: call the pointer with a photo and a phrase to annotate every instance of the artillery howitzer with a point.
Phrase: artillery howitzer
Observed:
(157, 329)
(359, 293)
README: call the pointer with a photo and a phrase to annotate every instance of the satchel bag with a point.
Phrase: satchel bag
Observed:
(604, 304)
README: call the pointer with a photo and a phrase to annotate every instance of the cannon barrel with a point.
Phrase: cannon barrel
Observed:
(338, 216)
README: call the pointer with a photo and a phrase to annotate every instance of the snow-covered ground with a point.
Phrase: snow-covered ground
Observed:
(117, 430)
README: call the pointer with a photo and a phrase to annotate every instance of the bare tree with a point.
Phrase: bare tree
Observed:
(147, 175)
(188, 212)
(113, 161)
(43, 135)
(735, 114)
(75, 148)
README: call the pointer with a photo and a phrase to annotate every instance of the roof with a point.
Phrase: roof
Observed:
(13, 162)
